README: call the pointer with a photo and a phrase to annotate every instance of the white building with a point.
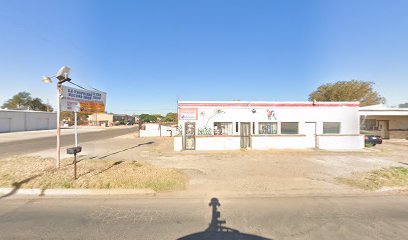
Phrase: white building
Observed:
(157, 130)
(229, 125)
(390, 123)
(24, 120)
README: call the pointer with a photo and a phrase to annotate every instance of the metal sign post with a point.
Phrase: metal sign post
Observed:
(76, 128)
(77, 101)
(76, 149)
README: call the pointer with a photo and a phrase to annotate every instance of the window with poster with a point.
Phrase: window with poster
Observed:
(223, 128)
(268, 128)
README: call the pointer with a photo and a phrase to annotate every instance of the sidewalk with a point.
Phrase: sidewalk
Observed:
(27, 135)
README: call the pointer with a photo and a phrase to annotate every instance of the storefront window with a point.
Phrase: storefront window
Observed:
(289, 128)
(368, 124)
(268, 128)
(331, 127)
(223, 128)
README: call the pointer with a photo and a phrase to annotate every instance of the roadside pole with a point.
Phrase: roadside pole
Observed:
(76, 110)
(77, 149)
(58, 125)
(62, 76)
(76, 128)
(76, 143)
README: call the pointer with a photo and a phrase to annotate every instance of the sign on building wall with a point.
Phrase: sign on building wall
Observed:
(188, 113)
(78, 100)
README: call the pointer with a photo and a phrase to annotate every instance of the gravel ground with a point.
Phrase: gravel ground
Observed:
(259, 173)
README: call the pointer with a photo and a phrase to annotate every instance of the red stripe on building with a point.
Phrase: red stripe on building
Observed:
(268, 105)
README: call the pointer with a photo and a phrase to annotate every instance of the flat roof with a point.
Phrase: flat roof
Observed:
(264, 104)
(24, 111)
(382, 110)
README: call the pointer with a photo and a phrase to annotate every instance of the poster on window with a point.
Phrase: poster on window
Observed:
(188, 114)
(85, 101)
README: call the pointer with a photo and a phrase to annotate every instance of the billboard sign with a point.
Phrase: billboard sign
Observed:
(85, 101)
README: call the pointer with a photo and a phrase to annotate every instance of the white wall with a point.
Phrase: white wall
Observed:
(157, 130)
(13, 120)
(151, 130)
(345, 113)
(333, 142)
(279, 142)
(326, 142)
(348, 116)
(167, 131)
(178, 143)
(217, 143)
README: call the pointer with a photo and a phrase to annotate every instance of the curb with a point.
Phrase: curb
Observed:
(74, 192)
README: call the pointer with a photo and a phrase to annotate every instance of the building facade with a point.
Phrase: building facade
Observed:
(110, 119)
(231, 125)
(25, 120)
(389, 123)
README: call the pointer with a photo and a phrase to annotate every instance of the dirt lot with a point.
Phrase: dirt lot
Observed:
(240, 173)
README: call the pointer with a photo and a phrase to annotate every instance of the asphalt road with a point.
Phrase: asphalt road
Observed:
(363, 217)
(44, 143)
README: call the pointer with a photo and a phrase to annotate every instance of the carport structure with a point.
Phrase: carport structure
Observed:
(390, 123)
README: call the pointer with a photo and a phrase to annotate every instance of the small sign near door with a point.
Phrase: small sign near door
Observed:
(188, 113)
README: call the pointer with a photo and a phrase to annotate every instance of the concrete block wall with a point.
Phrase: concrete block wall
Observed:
(14, 121)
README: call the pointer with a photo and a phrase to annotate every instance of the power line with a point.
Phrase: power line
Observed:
(77, 85)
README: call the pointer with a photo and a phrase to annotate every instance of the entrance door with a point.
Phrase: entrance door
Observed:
(310, 132)
(189, 136)
(245, 135)
(383, 127)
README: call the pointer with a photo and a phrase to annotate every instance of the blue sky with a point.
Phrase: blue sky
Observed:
(146, 54)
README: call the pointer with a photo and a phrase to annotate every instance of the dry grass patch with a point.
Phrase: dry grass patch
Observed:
(37, 172)
(377, 179)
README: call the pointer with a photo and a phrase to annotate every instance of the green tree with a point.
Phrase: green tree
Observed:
(24, 100)
(353, 90)
(37, 105)
(159, 117)
(147, 118)
(170, 117)
(19, 100)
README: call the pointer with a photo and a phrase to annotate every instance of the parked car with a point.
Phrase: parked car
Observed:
(372, 139)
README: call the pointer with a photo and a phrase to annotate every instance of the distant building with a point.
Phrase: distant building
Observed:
(110, 119)
(390, 123)
(25, 120)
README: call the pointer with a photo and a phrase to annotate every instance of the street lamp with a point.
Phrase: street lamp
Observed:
(62, 76)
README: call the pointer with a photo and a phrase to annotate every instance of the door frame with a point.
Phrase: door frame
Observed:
(315, 133)
(385, 129)
(241, 135)
(185, 137)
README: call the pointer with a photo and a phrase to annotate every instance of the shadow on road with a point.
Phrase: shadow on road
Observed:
(17, 185)
(123, 150)
(216, 230)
